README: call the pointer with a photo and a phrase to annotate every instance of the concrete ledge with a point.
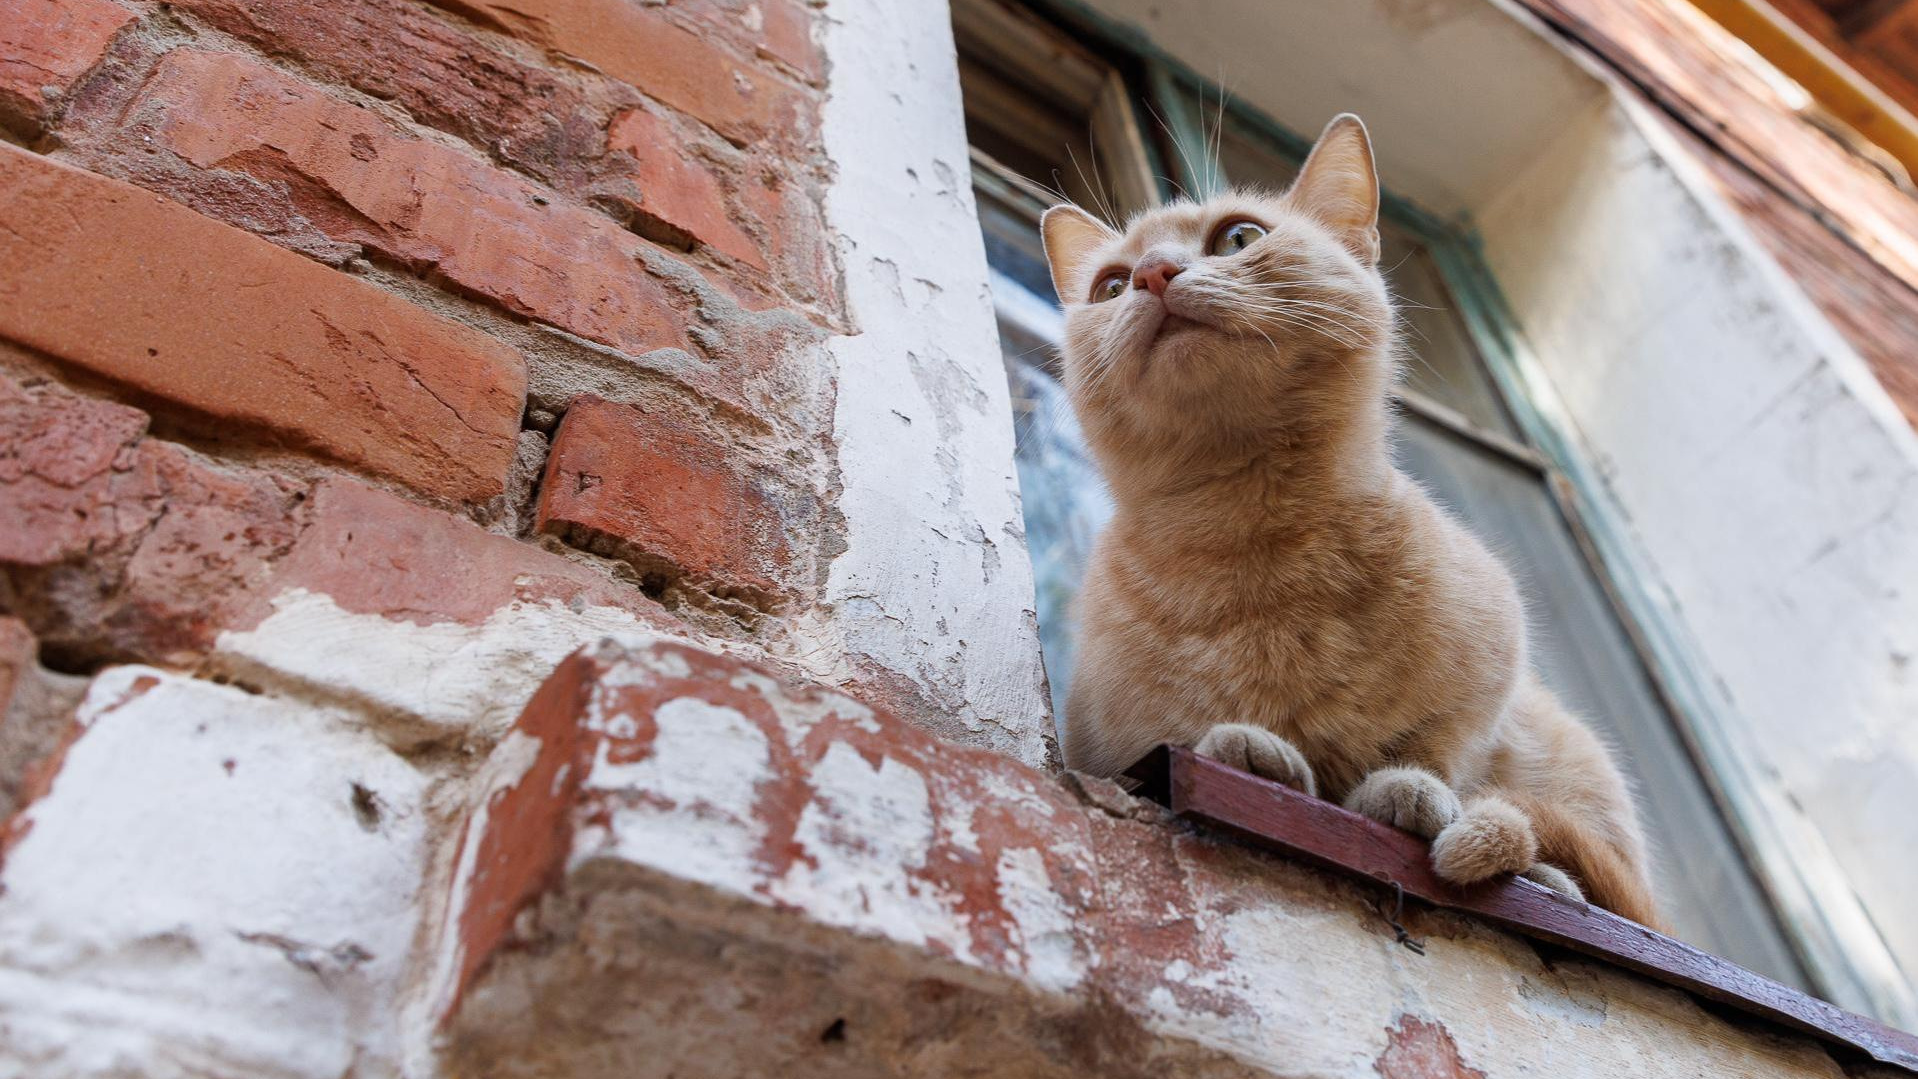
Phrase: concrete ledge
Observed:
(683, 866)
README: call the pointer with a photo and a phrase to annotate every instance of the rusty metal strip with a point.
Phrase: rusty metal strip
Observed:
(1266, 814)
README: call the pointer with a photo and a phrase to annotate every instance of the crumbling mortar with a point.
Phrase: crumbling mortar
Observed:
(562, 365)
(1108, 797)
(737, 608)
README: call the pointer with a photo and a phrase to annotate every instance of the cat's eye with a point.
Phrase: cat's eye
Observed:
(1234, 237)
(1110, 287)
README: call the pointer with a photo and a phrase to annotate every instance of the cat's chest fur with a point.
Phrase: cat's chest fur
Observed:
(1341, 636)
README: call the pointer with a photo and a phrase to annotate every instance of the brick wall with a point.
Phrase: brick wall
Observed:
(359, 361)
(397, 243)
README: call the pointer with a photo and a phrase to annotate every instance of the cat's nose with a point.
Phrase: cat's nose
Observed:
(1155, 275)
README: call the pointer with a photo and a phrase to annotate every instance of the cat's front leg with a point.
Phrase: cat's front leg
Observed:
(1490, 836)
(1260, 752)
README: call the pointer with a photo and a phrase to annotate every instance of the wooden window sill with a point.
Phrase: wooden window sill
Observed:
(1277, 818)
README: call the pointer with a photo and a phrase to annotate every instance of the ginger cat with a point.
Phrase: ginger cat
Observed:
(1272, 590)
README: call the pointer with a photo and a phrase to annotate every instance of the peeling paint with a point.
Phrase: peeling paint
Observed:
(698, 786)
(865, 832)
(272, 931)
(958, 655)
(1053, 954)
(834, 868)
(1419, 1049)
(428, 680)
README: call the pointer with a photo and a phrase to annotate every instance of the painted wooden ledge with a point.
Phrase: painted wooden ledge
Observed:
(1275, 817)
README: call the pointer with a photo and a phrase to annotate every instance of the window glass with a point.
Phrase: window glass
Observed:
(1064, 497)
(1583, 653)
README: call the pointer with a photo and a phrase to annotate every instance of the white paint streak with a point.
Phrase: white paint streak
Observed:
(434, 679)
(1049, 937)
(197, 895)
(923, 418)
(863, 834)
(707, 762)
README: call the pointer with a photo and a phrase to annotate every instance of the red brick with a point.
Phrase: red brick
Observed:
(374, 553)
(46, 46)
(671, 178)
(105, 276)
(786, 35)
(57, 467)
(779, 30)
(522, 839)
(1416, 1048)
(119, 546)
(662, 493)
(737, 203)
(790, 213)
(633, 42)
(433, 207)
(596, 727)
(443, 75)
(677, 189)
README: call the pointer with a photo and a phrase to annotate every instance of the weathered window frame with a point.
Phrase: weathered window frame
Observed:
(1820, 921)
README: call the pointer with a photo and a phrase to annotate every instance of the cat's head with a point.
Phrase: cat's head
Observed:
(1233, 315)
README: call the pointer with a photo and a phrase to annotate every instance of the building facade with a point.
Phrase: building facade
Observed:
(535, 534)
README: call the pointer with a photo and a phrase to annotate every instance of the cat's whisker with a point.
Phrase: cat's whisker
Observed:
(1302, 315)
(1098, 193)
(1191, 172)
(1218, 137)
(1054, 192)
(1330, 312)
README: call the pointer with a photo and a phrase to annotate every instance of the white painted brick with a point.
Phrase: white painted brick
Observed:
(197, 894)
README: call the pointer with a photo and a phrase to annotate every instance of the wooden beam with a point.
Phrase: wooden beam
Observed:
(1866, 21)
(1829, 78)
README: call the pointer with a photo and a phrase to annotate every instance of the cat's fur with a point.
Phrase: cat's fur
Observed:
(1272, 589)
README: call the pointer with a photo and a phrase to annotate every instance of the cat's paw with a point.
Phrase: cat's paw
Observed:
(1556, 879)
(1260, 752)
(1409, 798)
(1490, 837)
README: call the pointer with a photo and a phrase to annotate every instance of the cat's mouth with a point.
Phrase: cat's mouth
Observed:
(1173, 325)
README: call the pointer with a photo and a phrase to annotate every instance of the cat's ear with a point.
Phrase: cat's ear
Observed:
(1339, 185)
(1071, 236)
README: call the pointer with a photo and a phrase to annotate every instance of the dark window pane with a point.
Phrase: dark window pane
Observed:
(1438, 359)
